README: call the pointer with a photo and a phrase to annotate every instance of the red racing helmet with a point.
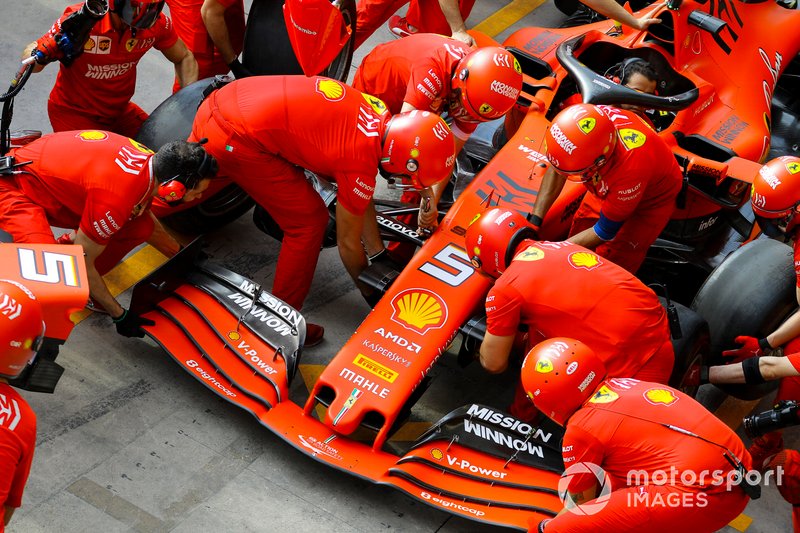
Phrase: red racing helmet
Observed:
(493, 237)
(580, 140)
(21, 328)
(139, 14)
(776, 195)
(559, 374)
(485, 85)
(418, 146)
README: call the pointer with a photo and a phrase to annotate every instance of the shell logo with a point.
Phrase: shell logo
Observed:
(660, 396)
(586, 125)
(437, 454)
(89, 45)
(234, 335)
(93, 135)
(544, 366)
(331, 90)
(604, 395)
(587, 260)
(419, 310)
(485, 109)
(793, 167)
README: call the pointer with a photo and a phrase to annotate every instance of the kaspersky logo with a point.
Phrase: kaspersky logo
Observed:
(419, 310)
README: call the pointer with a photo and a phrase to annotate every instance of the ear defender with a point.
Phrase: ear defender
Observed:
(174, 189)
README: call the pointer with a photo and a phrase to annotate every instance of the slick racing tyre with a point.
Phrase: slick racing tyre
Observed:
(691, 350)
(751, 293)
(268, 51)
(172, 120)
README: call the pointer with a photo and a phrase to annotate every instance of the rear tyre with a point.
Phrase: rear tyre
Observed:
(751, 293)
(268, 51)
(691, 350)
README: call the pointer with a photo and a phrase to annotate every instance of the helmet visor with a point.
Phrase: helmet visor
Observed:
(588, 174)
(458, 111)
(140, 14)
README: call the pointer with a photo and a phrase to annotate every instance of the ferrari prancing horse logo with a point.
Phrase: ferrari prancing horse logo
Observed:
(586, 125)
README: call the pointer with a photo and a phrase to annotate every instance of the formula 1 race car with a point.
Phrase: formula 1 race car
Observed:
(477, 461)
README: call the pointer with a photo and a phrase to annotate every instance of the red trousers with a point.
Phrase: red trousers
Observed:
(655, 509)
(282, 189)
(27, 222)
(629, 248)
(127, 123)
(425, 15)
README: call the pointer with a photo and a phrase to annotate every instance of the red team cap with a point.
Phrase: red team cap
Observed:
(21, 328)
(418, 145)
(493, 237)
(560, 374)
(486, 84)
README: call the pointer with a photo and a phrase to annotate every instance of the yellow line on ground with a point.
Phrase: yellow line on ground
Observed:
(507, 16)
(741, 522)
(125, 275)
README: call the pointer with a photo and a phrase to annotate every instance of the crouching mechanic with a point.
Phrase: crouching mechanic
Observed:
(594, 300)
(639, 456)
(100, 184)
(97, 77)
(631, 175)
(265, 130)
(775, 200)
(21, 334)
(431, 72)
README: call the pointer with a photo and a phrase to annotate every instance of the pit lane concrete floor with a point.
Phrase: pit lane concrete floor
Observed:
(129, 442)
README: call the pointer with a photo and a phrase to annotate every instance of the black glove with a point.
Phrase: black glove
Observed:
(536, 222)
(130, 324)
(238, 69)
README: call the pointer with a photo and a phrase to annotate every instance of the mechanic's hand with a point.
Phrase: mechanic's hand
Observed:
(428, 217)
(47, 49)
(696, 376)
(645, 22)
(750, 347)
(464, 37)
(130, 324)
(238, 70)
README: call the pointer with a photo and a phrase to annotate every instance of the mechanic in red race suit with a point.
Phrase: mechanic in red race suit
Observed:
(640, 456)
(100, 184)
(630, 173)
(264, 130)
(434, 73)
(95, 90)
(594, 300)
(214, 31)
(21, 334)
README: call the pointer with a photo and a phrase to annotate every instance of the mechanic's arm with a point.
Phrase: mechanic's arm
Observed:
(349, 228)
(495, 351)
(161, 240)
(97, 287)
(370, 233)
(552, 184)
(771, 368)
(26, 53)
(458, 27)
(788, 330)
(604, 230)
(184, 61)
(614, 11)
(213, 14)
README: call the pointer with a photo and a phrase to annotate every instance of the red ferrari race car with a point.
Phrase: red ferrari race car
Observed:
(728, 91)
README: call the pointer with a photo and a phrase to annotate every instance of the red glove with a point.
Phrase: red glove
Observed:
(750, 347)
(47, 49)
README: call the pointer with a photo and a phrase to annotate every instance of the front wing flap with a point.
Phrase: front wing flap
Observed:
(475, 462)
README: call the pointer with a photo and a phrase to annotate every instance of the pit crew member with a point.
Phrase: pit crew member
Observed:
(666, 460)
(214, 31)
(94, 88)
(264, 130)
(630, 173)
(100, 184)
(434, 73)
(594, 300)
(21, 333)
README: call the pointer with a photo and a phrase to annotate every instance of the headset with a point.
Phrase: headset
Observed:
(175, 188)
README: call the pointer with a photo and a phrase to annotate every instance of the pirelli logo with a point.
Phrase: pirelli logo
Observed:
(373, 367)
